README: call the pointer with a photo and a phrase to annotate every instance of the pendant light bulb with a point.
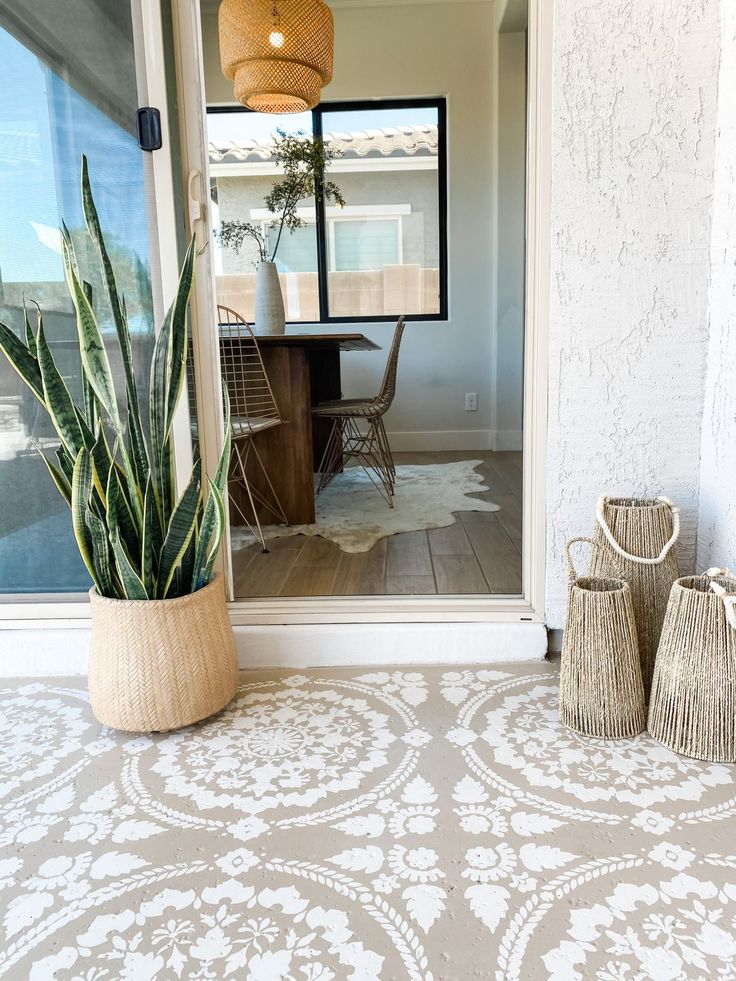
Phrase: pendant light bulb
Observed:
(276, 37)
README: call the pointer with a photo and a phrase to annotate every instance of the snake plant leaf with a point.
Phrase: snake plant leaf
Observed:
(63, 484)
(91, 346)
(151, 542)
(138, 451)
(102, 461)
(66, 236)
(100, 553)
(59, 402)
(215, 535)
(165, 383)
(176, 357)
(90, 403)
(179, 532)
(30, 336)
(213, 519)
(66, 462)
(97, 368)
(81, 490)
(108, 276)
(132, 584)
(185, 572)
(120, 515)
(22, 360)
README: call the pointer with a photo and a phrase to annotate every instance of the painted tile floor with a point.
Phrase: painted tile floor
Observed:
(358, 825)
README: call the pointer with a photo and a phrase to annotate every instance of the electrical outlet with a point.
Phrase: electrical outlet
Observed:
(471, 401)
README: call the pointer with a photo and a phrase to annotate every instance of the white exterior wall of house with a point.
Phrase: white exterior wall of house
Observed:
(634, 124)
(405, 51)
(717, 518)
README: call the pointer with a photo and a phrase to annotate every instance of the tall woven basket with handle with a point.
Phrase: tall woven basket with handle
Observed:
(601, 692)
(693, 703)
(641, 534)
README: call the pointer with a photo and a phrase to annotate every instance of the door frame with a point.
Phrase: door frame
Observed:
(72, 611)
(371, 609)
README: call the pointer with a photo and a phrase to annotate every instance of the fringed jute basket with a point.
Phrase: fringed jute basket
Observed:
(601, 692)
(157, 665)
(641, 533)
(693, 703)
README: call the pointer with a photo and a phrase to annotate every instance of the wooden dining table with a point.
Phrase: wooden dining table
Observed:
(303, 369)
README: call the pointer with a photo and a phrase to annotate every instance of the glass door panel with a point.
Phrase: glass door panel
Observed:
(68, 77)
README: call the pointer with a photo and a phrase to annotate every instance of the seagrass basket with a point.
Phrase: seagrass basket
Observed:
(692, 709)
(640, 533)
(156, 665)
(601, 692)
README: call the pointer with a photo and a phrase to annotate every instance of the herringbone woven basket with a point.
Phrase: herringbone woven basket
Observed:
(640, 534)
(601, 692)
(693, 703)
(157, 665)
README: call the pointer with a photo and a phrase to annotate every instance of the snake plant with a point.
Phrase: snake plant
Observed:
(137, 539)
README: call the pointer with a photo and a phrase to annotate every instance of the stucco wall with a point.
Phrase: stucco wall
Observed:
(634, 114)
(717, 521)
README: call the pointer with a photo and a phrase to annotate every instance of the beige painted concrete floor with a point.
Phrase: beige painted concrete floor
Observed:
(359, 824)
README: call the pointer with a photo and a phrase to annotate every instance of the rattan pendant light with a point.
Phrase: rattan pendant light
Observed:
(277, 52)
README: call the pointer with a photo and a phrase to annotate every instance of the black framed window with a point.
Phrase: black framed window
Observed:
(384, 253)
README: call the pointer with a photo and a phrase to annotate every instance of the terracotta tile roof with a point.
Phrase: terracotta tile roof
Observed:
(392, 141)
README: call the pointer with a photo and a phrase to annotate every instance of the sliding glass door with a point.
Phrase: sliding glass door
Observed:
(70, 87)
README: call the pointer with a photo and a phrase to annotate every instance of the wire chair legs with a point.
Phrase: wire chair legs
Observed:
(267, 499)
(370, 449)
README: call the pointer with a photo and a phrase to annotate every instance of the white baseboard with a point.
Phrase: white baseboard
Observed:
(54, 652)
(450, 439)
(507, 440)
(456, 439)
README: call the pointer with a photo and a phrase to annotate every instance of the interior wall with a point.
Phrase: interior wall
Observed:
(418, 50)
(634, 116)
(717, 517)
(509, 375)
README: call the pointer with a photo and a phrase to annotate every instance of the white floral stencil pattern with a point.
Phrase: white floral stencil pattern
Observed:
(40, 732)
(279, 752)
(332, 825)
(511, 734)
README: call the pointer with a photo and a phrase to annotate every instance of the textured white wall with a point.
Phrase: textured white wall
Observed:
(717, 519)
(633, 136)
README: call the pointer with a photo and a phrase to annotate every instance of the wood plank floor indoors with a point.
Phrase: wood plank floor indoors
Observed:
(479, 554)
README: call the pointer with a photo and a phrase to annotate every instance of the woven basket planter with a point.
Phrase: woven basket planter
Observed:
(601, 692)
(641, 534)
(157, 665)
(693, 703)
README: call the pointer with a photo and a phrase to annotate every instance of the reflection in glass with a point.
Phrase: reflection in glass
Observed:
(56, 107)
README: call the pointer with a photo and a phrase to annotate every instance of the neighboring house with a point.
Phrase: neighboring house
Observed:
(382, 247)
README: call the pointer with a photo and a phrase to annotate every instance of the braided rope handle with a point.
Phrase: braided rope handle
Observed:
(729, 599)
(601, 519)
(572, 575)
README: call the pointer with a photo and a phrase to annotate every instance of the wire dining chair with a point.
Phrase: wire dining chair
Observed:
(368, 445)
(253, 410)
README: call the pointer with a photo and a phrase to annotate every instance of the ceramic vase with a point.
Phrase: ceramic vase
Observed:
(270, 317)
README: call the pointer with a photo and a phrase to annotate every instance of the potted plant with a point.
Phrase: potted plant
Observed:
(304, 160)
(162, 648)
